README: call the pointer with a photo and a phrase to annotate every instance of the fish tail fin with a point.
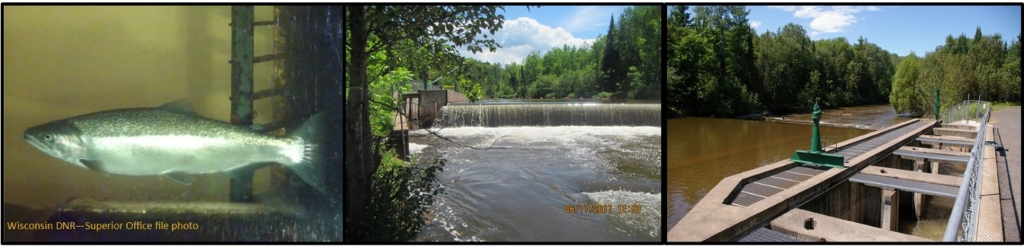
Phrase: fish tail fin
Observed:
(311, 167)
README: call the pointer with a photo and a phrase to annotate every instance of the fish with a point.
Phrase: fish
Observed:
(174, 142)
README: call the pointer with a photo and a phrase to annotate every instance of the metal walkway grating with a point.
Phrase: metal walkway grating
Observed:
(763, 188)
(760, 189)
(932, 156)
(953, 142)
(906, 185)
(862, 147)
(765, 235)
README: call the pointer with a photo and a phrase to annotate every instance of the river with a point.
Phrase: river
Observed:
(517, 185)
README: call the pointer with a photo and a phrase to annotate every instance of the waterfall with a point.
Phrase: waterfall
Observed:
(571, 114)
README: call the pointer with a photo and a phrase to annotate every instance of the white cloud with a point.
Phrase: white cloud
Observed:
(755, 24)
(827, 19)
(520, 36)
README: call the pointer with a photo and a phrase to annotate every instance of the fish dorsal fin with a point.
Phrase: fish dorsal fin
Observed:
(94, 165)
(177, 177)
(182, 106)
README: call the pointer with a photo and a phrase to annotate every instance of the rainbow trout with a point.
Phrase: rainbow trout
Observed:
(173, 141)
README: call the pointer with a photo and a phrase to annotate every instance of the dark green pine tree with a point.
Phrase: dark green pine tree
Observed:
(611, 63)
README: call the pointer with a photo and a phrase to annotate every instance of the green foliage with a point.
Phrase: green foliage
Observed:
(965, 68)
(473, 91)
(639, 45)
(635, 80)
(382, 92)
(401, 194)
(710, 66)
(611, 63)
(718, 66)
(906, 92)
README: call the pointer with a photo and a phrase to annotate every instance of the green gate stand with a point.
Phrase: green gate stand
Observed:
(815, 155)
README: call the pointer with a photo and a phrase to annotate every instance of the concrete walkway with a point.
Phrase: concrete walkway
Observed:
(1008, 135)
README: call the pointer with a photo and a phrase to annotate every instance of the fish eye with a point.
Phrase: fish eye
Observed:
(48, 137)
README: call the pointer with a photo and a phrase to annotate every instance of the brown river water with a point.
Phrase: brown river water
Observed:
(703, 151)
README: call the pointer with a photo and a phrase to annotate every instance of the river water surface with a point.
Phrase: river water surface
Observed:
(515, 182)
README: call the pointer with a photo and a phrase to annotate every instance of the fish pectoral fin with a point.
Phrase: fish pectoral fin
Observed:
(177, 177)
(94, 165)
(181, 106)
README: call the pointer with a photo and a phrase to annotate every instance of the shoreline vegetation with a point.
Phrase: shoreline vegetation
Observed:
(719, 67)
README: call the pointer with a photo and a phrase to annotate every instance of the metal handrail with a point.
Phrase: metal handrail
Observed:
(965, 211)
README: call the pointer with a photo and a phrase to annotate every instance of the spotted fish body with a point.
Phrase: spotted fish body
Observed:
(172, 142)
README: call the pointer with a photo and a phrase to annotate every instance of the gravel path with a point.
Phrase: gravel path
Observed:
(1007, 134)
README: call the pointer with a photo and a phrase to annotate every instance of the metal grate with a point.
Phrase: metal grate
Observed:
(792, 176)
(765, 235)
(806, 171)
(858, 149)
(932, 156)
(905, 185)
(953, 142)
(778, 182)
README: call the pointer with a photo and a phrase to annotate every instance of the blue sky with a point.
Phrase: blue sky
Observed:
(898, 29)
(544, 28)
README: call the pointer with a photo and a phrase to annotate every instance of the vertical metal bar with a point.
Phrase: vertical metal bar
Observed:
(976, 108)
(241, 88)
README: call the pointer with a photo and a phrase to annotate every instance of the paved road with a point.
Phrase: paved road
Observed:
(1008, 135)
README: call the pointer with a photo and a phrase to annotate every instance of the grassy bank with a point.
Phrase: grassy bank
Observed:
(1002, 106)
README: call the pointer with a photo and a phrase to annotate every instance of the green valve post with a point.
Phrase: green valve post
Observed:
(815, 135)
(815, 155)
(936, 104)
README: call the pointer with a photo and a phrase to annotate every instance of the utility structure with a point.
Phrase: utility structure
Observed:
(815, 155)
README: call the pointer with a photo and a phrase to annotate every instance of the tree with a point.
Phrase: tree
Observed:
(611, 64)
(741, 47)
(639, 46)
(964, 67)
(905, 96)
(441, 28)
(1010, 83)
